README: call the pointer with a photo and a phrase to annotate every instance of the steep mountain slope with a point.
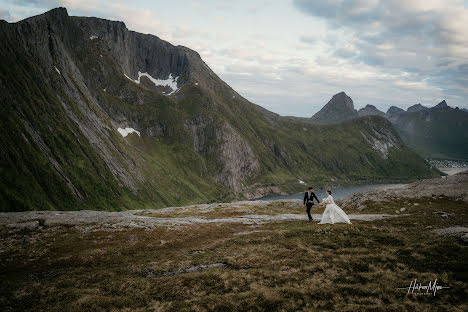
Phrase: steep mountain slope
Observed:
(416, 108)
(393, 111)
(437, 132)
(69, 86)
(338, 109)
(370, 110)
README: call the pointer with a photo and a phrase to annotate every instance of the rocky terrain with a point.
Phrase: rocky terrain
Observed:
(339, 108)
(454, 186)
(261, 256)
(246, 212)
(150, 219)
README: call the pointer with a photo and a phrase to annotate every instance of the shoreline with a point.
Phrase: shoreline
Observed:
(451, 170)
(357, 187)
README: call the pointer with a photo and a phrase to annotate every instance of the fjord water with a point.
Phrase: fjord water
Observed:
(338, 192)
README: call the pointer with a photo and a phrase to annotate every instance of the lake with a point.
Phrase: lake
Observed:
(337, 192)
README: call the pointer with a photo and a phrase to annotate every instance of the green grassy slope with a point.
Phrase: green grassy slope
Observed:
(61, 170)
(291, 149)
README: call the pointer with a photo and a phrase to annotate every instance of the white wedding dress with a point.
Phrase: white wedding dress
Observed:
(333, 213)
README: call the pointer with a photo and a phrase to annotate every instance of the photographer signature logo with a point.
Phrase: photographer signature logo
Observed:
(417, 288)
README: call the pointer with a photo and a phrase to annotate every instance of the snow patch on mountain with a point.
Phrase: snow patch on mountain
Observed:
(170, 82)
(127, 131)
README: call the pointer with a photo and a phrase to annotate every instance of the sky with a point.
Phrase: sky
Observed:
(292, 56)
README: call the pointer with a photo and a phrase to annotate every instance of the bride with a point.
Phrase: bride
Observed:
(333, 213)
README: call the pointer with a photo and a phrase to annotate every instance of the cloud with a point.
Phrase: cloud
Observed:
(379, 52)
(428, 39)
(4, 14)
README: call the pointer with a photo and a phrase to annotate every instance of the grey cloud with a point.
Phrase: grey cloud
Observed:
(5, 15)
(411, 36)
(308, 39)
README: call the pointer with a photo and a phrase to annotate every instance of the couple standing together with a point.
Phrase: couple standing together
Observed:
(332, 213)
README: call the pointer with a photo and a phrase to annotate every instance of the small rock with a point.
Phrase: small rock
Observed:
(416, 204)
(397, 211)
(33, 225)
(444, 215)
(402, 209)
(135, 226)
(464, 238)
(361, 207)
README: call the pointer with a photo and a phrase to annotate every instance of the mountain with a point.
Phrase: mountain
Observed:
(436, 132)
(370, 110)
(393, 111)
(338, 109)
(464, 110)
(94, 116)
(416, 108)
(442, 104)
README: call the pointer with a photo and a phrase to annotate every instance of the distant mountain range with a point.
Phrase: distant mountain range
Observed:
(94, 116)
(435, 132)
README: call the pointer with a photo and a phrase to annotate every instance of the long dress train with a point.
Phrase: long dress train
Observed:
(333, 213)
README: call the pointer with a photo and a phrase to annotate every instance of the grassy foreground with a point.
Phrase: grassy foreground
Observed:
(280, 266)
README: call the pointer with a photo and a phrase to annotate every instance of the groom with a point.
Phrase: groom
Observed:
(309, 201)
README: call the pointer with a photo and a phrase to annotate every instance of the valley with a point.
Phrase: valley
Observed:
(104, 118)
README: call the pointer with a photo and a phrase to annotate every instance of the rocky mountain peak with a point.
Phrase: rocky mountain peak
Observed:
(442, 104)
(393, 110)
(54, 15)
(59, 12)
(416, 108)
(370, 110)
(339, 108)
(343, 99)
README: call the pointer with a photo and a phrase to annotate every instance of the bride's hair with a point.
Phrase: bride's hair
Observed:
(329, 192)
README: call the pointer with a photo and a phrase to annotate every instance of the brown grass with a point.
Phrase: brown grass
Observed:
(282, 266)
(226, 211)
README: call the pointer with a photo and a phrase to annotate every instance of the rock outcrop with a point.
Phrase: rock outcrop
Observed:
(416, 108)
(454, 186)
(338, 109)
(370, 110)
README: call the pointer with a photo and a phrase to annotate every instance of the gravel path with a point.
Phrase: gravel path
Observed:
(131, 219)
(454, 186)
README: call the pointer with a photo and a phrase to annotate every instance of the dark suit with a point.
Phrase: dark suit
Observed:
(309, 202)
